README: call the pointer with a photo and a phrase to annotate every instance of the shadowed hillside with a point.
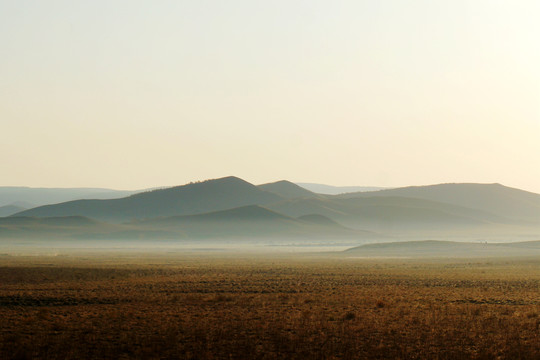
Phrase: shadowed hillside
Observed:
(194, 198)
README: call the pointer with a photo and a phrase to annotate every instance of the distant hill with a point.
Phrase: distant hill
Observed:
(44, 196)
(287, 190)
(10, 210)
(335, 190)
(435, 248)
(383, 214)
(497, 199)
(193, 198)
(452, 210)
(247, 222)
(318, 219)
(52, 227)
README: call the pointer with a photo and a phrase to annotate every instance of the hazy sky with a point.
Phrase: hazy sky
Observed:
(135, 94)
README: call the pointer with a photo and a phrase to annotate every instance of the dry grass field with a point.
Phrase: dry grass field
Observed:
(210, 307)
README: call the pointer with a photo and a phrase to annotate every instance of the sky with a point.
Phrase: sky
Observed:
(137, 94)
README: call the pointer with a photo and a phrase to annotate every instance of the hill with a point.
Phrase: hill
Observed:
(387, 214)
(52, 228)
(497, 199)
(193, 198)
(44, 196)
(8, 210)
(287, 190)
(435, 248)
(248, 222)
(336, 190)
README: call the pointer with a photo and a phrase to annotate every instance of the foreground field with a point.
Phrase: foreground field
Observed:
(261, 308)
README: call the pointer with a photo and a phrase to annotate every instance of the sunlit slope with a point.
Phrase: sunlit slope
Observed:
(504, 201)
(446, 249)
(287, 190)
(194, 198)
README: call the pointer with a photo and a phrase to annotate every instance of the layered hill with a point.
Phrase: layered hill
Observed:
(249, 222)
(494, 198)
(193, 198)
(240, 207)
(389, 213)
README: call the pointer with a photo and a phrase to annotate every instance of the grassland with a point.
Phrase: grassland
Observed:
(254, 307)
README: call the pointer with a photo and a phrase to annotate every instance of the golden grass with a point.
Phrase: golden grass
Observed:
(204, 308)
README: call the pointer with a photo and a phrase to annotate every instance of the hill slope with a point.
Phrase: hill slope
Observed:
(247, 221)
(45, 196)
(287, 190)
(194, 198)
(336, 190)
(8, 210)
(388, 213)
(494, 198)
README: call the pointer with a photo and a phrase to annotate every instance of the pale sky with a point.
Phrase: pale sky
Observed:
(137, 94)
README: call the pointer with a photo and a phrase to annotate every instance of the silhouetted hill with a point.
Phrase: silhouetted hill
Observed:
(45, 196)
(193, 198)
(494, 198)
(287, 190)
(8, 210)
(436, 248)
